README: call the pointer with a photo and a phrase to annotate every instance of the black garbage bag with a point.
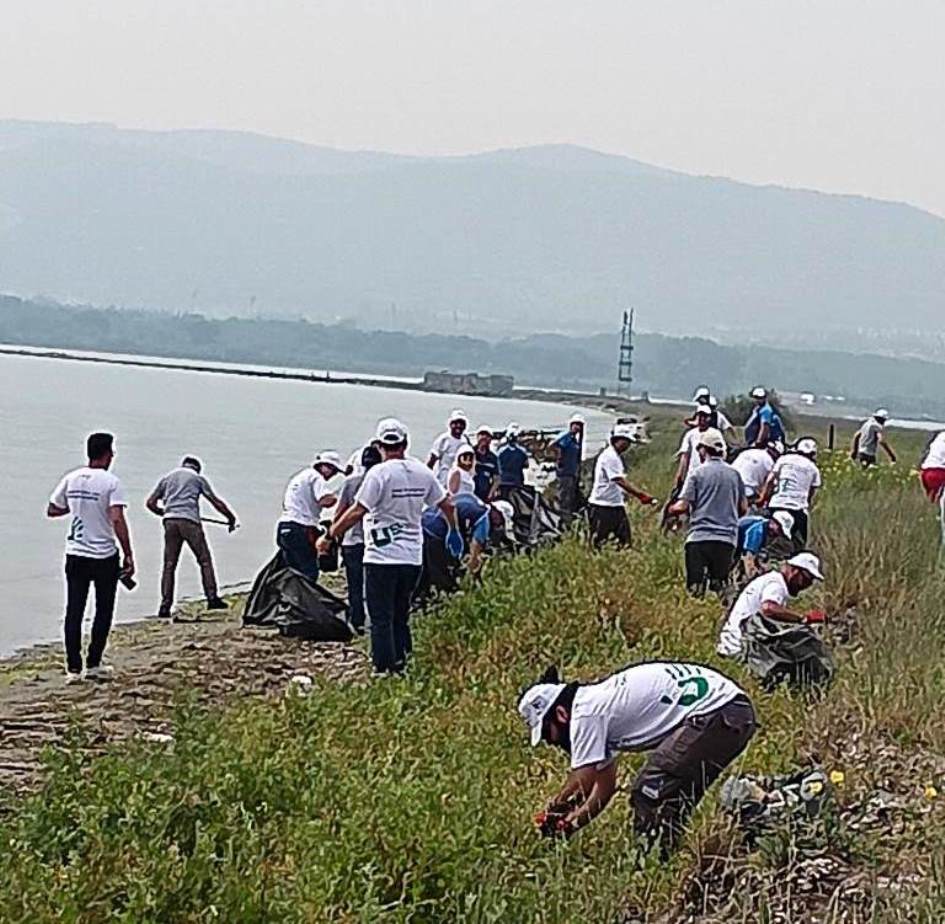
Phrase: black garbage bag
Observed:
(777, 652)
(537, 521)
(284, 600)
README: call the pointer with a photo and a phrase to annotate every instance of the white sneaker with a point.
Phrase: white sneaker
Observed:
(73, 677)
(102, 672)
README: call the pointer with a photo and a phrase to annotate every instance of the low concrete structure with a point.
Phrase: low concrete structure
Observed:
(469, 383)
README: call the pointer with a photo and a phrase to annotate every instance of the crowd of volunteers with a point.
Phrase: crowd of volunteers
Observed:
(408, 529)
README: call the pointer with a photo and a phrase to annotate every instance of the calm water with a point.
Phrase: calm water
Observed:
(252, 435)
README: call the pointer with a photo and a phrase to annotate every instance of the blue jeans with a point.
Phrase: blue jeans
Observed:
(353, 558)
(388, 591)
(295, 541)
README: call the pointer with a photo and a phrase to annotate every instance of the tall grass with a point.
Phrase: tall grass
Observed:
(411, 800)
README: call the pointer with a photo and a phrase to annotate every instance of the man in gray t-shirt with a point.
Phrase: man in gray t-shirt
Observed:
(176, 499)
(714, 498)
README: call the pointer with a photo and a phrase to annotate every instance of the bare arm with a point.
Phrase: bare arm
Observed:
(431, 462)
(340, 525)
(448, 509)
(887, 448)
(742, 505)
(152, 504)
(53, 511)
(224, 510)
(855, 448)
(628, 488)
(767, 489)
(475, 557)
(678, 508)
(682, 468)
(763, 433)
(782, 613)
(596, 787)
(452, 484)
(120, 525)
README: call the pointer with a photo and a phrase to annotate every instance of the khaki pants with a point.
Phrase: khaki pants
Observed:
(178, 531)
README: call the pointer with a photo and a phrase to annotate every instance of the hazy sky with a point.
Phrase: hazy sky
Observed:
(841, 95)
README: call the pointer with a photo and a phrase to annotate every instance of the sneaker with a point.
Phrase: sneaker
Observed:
(73, 677)
(102, 672)
(215, 603)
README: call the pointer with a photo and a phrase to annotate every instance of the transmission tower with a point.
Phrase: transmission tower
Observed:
(625, 366)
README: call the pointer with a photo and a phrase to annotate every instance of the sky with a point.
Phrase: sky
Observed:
(838, 95)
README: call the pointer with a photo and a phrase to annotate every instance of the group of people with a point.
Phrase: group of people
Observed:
(400, 522)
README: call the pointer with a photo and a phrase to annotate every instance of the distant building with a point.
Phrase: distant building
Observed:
(469, 383)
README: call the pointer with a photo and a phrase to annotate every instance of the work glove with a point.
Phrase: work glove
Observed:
(454, 544)
(551, 822)
(815, 617)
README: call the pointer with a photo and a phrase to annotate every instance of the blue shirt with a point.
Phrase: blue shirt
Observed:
(569, 454)
(765, 414)
(472, 517)
(752, 534)
(513, 460)
(487, 467)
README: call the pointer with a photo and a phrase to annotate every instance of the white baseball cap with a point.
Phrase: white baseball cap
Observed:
(775, 446)
(807, 446)
(577, 419)
(512, 429)
(623, 432)
(458, 416)
(808, 562)
(465, 451)
(534, 706)
(785, 521)
(390, 432)
(759, 392)
(881, 414)
(703, 409)
(712, 439)
(701, 392)
(482, 428)
(329, 457)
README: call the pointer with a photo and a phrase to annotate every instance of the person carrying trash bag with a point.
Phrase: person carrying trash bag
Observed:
(693, 721)
(774, 641)
(391, 500)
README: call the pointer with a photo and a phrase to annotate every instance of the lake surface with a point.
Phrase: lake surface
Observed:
(252, 435)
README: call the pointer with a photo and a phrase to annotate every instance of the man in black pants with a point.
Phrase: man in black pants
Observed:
(714, 497)
(391, 501)
(96, 501)
(693, 720)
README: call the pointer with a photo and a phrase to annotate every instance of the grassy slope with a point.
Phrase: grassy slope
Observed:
(414, 798)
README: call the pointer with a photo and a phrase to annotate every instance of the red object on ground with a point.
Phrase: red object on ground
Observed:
(815, 616)
(933, 480)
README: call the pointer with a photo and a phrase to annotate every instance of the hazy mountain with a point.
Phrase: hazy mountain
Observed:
(553, 237)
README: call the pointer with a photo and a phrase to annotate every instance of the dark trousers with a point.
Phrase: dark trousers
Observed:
(353, 558)
(297, 544)
(388, 591)
(179, 532)
(81, 573)
(609, 523)
(708, 564)
(683, 766)
(801, 526)
(567, 498)
(440, 569)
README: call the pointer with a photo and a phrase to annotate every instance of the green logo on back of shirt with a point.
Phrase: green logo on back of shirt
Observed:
(693, 688)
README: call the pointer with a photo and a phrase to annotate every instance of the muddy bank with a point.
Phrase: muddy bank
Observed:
(154, 660)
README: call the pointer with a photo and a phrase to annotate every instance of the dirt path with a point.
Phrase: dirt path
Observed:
(153, 660)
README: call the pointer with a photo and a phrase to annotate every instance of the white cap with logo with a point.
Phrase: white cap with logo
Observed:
(534, 706)
(390, 432)
(704, 410)
(807, 446)
(623, 432)
(759, 392)
(881, 414)
(808, 562)
(331, 458)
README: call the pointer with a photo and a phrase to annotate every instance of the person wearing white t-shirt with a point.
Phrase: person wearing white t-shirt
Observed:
(693, 720)
(932, 469)
(96, 501)
(755, 465)
(447, 445)
(607, 512)
(767, 595)
(461, 479)
(869, 438)
(688, 452)
(391, 501)
(306, 495)
(792, 485)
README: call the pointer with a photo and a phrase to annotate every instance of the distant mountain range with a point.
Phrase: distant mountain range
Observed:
(547, 238)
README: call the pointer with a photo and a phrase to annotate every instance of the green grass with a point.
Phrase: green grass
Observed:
(412, 800)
